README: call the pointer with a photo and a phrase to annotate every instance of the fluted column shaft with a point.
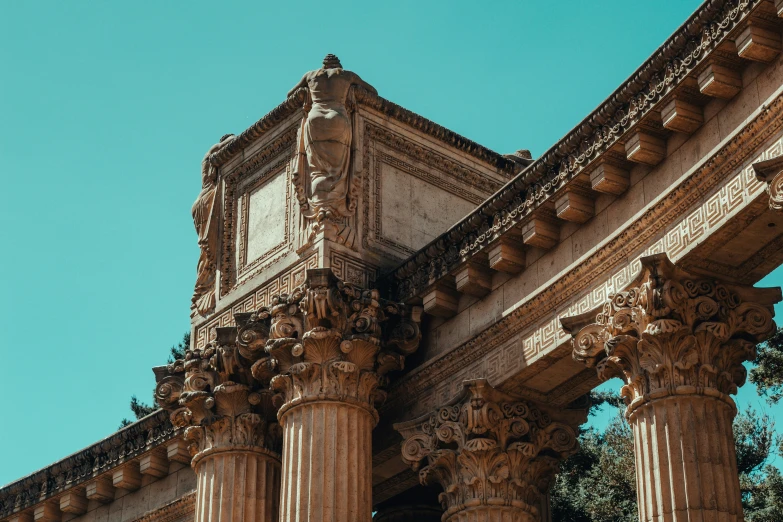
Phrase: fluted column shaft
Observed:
(237, 486)
(686, 466)
(327, 463)
(678, 341)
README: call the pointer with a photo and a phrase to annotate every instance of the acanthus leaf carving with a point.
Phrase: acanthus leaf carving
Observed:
(487, 450)
(332, 340)
(674, 333)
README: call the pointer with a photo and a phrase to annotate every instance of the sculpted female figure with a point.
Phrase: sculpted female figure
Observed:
(205, 218)
(325, 138)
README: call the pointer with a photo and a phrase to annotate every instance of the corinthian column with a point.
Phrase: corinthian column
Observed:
(494, 456)
(678, 342)
(228, 420)
(331, 345)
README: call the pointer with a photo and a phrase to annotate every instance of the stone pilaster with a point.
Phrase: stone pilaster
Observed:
(330, 347)
(494, 456)
(678, 342)
(228, 422)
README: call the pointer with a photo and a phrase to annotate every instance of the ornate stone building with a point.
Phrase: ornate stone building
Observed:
(391, 318)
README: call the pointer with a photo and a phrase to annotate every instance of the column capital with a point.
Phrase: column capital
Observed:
(674, 333)
(489, 451)
(213, 395)
(333, 341)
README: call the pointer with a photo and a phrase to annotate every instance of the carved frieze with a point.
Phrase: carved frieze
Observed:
(124, 445)
(674, 333)
(692, 212)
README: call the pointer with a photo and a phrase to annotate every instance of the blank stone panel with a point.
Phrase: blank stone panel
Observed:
(414, 212)
(266, 227)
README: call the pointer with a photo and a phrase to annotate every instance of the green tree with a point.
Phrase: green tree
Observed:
(598, 484)
(767, 374)
(141, 409)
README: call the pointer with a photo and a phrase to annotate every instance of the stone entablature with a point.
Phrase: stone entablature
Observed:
(515, 347)
(141, 453)
(665, 96)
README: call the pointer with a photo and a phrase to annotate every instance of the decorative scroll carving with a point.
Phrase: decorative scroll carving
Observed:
(771, 172)
(321, 164)
(206, 217)
(213, 395)
(672, 333)
(488, 450)
(331, 340)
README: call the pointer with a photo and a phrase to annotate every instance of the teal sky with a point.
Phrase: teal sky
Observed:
(106, 109)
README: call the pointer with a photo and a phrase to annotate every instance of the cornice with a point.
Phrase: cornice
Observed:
(121, 446)
(578, 280)
(604, 128)
(364, 97)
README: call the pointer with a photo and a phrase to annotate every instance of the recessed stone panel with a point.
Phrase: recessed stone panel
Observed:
(413, 211)
(266, 218)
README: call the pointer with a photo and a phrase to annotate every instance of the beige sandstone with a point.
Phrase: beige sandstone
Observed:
(341, 232)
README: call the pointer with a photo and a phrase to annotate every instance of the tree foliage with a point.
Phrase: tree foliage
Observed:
(767, 374)
(142, 409)
(598, 484)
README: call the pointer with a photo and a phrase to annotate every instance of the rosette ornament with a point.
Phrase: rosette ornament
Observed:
(493, 455)
(677, 341)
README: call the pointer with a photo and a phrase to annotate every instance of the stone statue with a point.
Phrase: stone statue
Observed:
(324, 141)
(205, 217)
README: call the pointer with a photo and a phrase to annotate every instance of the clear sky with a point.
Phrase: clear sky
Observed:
(107, 108)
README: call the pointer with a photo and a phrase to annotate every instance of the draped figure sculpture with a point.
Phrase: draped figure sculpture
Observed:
(205, 219)
(321, 163)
